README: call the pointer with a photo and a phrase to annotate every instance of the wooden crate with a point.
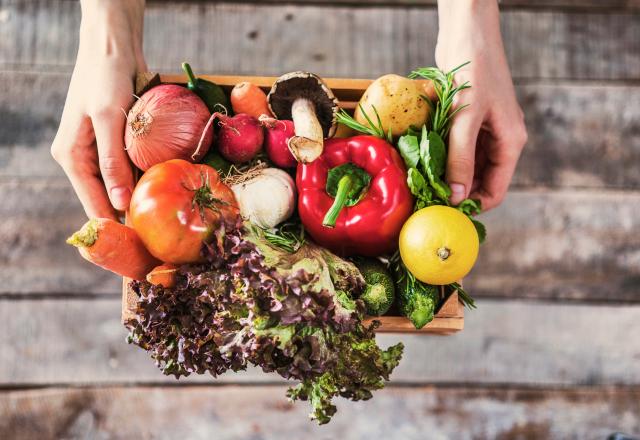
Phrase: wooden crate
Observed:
(450, 316)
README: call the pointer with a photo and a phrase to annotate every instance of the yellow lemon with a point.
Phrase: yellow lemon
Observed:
(439, 245)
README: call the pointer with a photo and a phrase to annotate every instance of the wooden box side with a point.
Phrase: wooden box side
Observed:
(450, 316)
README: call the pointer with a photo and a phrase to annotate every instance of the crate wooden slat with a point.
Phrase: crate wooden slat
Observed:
(450, 316)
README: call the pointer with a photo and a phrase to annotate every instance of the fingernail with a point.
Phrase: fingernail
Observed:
(458, 193)
(120, 197)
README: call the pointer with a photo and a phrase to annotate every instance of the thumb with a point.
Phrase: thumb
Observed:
(461, 156)
(114, 162)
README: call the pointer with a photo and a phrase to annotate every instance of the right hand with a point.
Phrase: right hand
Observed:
(89, 143)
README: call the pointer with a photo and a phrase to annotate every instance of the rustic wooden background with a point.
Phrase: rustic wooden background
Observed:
(553, 350)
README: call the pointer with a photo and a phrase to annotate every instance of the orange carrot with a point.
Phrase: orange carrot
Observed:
(163, 275)
(115, 247)
(248, 98)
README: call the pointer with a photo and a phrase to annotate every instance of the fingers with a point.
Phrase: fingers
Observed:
(503, 153)
(462, 148)
(74, 149)
(113, 159)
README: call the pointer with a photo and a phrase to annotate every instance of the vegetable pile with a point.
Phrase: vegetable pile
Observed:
(264, 229)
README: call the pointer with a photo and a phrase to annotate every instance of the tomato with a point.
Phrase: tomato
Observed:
(177, 205)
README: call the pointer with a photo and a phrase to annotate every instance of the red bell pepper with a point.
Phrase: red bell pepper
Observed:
(354, 198)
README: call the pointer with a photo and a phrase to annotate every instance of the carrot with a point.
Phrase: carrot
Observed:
(163, 275)
(248, 98)
(115, 247)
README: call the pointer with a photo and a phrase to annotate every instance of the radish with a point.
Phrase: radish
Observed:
(240, 137)
(276, 142)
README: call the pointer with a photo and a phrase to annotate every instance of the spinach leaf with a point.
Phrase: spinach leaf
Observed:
(417, 184)
(409, 150)
(470, 207)
(437, 154)
(482, 231)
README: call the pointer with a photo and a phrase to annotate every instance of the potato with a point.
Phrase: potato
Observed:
(398, 101)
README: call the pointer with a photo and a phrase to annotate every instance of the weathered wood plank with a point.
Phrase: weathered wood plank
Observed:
(263, 413)
(561, 245)
(579, 135)
(82, 341)
(338, 40)
(542, 244)
(606, 5)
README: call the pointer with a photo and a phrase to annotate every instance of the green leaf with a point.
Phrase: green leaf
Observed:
(437, 154)
(424, 148)
(409, 150)
(442, 189)
(417, 184)
(482, 231)
(470, 206)
(361, 180)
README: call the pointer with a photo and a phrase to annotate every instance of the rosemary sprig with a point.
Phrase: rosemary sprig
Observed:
(466, 299)
(373, 129)
(289, 236)
(446, 90)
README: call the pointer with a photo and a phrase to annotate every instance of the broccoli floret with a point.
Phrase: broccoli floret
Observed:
(379, 292)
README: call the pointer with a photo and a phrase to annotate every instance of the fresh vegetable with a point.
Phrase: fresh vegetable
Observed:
(397, 100)
(292, 315)
(211, 93)
(425, 154)
(379, 292)
(164, 275)
(276, 141)
(266, 196)
(113, 246)
(305, 98)
(217, 162)
(248, 98)
(439, 245)
(240, 137)
(354, 198)
(167, 122)
(177, 206)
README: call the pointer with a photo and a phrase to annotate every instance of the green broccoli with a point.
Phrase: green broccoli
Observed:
(380, 292)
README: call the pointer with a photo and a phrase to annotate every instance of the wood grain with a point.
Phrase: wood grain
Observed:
(263, 413)
(232, 38)
(578, 245)
(76, 341)
(579, 135)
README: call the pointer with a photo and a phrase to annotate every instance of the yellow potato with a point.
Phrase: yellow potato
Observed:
(398, 101)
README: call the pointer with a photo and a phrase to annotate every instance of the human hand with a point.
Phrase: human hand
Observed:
(89, 144)
(486, 138)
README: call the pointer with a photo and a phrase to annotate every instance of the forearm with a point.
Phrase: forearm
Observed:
(113, 29)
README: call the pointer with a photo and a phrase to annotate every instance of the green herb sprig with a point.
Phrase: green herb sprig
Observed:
(288, 237)
(373, 129)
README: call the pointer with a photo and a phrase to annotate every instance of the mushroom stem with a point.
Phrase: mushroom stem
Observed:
(306, 146)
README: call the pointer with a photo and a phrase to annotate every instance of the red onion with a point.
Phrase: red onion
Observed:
(167, 122)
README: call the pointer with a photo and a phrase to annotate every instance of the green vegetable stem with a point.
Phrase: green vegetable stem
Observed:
(211, 93)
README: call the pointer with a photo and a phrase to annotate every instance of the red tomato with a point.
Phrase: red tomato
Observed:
(176, 206)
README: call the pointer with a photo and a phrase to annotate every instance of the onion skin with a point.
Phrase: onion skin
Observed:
(166, 123)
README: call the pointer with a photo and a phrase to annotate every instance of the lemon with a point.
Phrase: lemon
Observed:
(439, 245)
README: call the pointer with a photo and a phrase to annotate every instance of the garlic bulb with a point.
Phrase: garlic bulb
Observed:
(267, 199)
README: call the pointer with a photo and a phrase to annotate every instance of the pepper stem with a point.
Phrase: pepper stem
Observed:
(193, 81)
(344, 188)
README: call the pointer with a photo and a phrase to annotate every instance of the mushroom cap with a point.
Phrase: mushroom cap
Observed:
(294, 85)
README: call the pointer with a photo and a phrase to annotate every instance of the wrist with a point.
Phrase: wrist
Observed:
(113, 29)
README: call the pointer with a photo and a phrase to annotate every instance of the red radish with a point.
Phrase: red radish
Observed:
(167, 122)
(276, 141)
(240, 137)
